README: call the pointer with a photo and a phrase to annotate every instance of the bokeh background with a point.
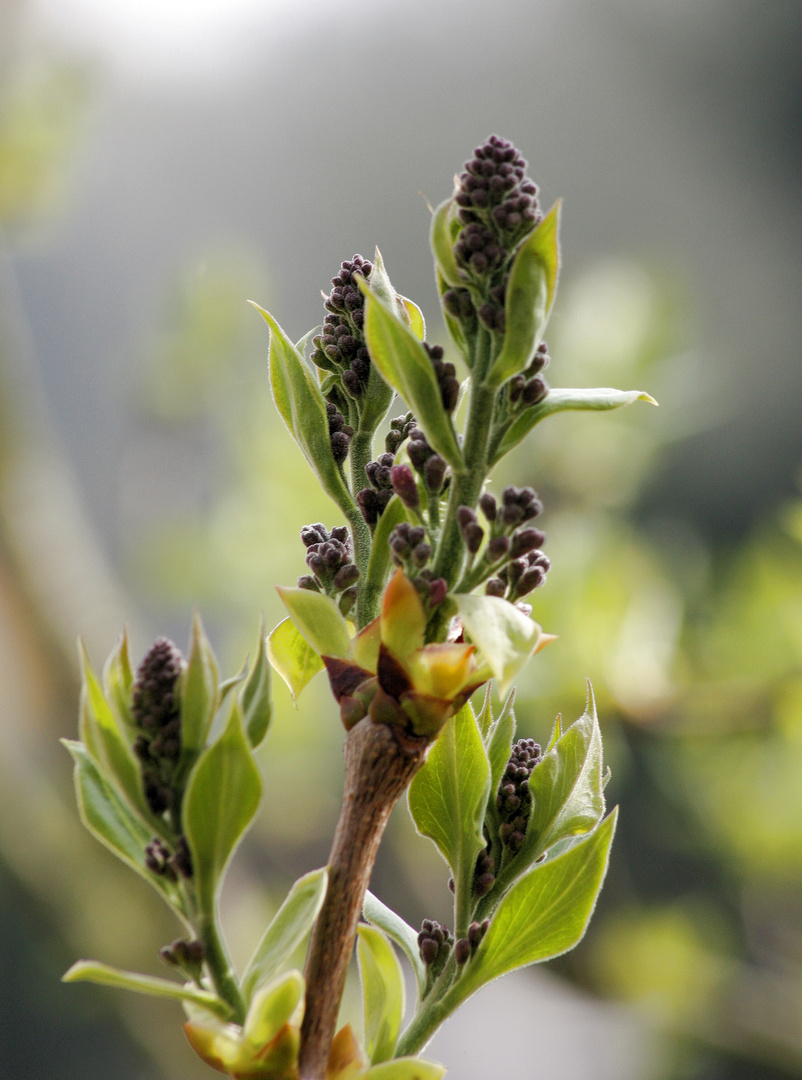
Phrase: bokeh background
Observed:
(161, 162)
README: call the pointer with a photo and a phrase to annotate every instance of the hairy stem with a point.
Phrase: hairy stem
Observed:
(377, 770)
(220, 967)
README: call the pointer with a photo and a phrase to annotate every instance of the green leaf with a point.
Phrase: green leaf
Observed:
(529, 296)
(380, 560)
(442, 244)
(118, 681)
(318, 619)
(600, 399)
(506, 638)
(499, 742)
(110, 819)
(567, 788)
(254, 697)
(220, 802)
(545, 913)
(292, 657)
(302, 407)
(406, 1068)
(106, 744)
(414, 317)
(103, 975)
(288, 928)
(274, 1006)
(447, 800)
(199, 693)
(453, 325)
(405, 364)
(401, 932)
(382, 993)
(485, 717)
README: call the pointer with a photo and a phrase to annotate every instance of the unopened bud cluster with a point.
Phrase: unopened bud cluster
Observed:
(435, 942)
(340, 347)
(529, 388)
(514, 799)
(187, 956)
(467, 946)
(329, 557)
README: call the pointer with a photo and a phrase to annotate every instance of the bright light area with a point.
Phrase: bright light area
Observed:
(174, 38)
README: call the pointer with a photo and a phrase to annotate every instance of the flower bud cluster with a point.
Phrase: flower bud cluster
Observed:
(340, 347)
(329, 557)
(484, 877)
(513, 549)
(467, 946)
(446, 375)
(435, 942)
(340, 433)
(187, 956)
(529, 387)
(497, 208)
(400, 428)
(373, 500)
(167, 863)
(514, 799)
(156, 712)
(427, 463)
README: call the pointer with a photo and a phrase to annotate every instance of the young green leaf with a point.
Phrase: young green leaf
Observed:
(199, 693)
(318, 619)
(406, 1068)
(105, 742)
(292, 656)
(600, 399)
(254, 697)
(529, 296)
(506, 638)
(380, 561)
(303, 409)
(452, 325)
(442, 244)
(103, 975)
(567, 789)
(404, 363)
(545, 913)
(111, 821)
(220, 802)
(118, 681)
(382, 993)
(288, 928)
(499, 742)
(275, 1005)
(447, 800)
(401, 933)
(414, 317)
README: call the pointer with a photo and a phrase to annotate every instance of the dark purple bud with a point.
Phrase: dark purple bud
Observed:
(487, 505)
(495, 587)
(462, 951)
(347, 575)
(438, 590)
(473, 534)
(465, 516)
(428, 951)
(498, 548)
(434, 473)
(526, 540)
(404, 485)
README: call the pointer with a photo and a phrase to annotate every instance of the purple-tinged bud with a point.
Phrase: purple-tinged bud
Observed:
(462, 951)
(434, 474)
(498, 548)
(465, 516)
(421, 554)
(348, 599)
(347, 575)
(487, 505)
(429, 950)
(526, 540)
(473, 534)
(495, 587)
(438, 590)
(404, 486)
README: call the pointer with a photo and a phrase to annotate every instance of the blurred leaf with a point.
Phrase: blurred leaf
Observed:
(220, 801)
(288, 928)
(529, 296)
(111, 821)
(274, 1006)
(303, 409)
(405, 1069)
(401, 932)
(254, 697)
(447, 800)
(415, 319)
(103, 975)
(118, 681)
(199, 693)
(600, 399)
(505, 637)
(405, 364)
(292, 656)
(382, 992)
(318, 618)
(543, 914)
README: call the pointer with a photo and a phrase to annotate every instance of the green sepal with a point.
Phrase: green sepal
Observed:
(544, 914)
(441, 240)
(447, 800)
(221, 799)
(292, 656)
(200, 694)
(110, 819)
(567, 786)
(401, 933)
(599, 399)
(382, 993)
(287, 929)
(405, 364)
(529, 296)
(106, 743)
(300, 402)
(505, 637)
(254, 697)
(318, 618)
(118, 682)
(104, 975)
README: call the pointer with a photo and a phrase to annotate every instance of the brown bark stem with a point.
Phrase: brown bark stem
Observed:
(378, 768)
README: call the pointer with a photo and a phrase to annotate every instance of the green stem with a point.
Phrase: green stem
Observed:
(426, 1021)
(220, 967)
(361, 451)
